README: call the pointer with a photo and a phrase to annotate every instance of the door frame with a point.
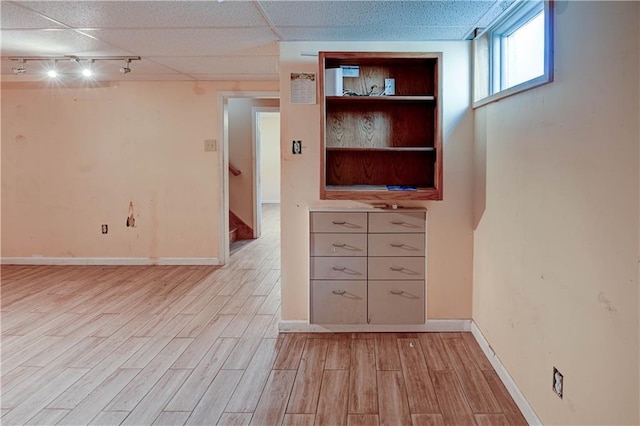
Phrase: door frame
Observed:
(256, 157)
(223, 163)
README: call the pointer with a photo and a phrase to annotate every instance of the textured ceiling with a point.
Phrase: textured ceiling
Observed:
(217, 40)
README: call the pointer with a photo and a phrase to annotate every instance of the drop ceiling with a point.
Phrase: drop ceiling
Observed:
(217, 40)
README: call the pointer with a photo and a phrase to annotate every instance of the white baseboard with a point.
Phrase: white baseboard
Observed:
(522, 403)
(109, 261)
(434, 325)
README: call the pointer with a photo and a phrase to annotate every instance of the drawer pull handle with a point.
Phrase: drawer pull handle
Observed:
(338, 268)
(339, 222)
(338, 245)
(396, 268)
(338, 292)
(397, 292)
(397, 222)
(396, 245)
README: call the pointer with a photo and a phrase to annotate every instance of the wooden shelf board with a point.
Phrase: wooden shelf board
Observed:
(378, 192)
(346, 98)
(386, 148)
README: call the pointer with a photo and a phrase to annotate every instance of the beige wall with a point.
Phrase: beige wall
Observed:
(73, 159)
(449, 264)
(556, 248)
(241, 129)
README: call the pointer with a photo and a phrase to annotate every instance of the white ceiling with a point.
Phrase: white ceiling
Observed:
(217, 40)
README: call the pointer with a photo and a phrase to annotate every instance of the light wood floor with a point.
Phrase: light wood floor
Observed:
(199, 345)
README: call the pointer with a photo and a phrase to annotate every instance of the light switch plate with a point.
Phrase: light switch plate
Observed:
(210, 145)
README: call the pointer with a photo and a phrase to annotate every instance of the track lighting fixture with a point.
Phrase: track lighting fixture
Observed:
(20, 69)
(87, 70)
(126, 69)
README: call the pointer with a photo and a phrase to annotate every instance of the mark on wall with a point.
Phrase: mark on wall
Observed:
(153, 226)
(198, 90)
(608, 306)
(131, 220)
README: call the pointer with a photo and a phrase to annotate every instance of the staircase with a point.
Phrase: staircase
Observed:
(241, 230)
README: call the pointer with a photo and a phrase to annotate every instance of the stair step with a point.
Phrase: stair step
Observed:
(233, 234)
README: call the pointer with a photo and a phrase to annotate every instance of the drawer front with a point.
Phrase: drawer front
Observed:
(338, 268)
(396, 302)
(338, 244)
(338, 302)
(397, 222)
(339, 222)
(396, 245)
(396, 268)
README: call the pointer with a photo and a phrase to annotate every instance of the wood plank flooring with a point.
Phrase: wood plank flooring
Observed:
(173, 345)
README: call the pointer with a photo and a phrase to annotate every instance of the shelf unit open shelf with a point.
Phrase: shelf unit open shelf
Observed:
(383, 147)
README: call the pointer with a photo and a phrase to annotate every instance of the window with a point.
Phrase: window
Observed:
(514, 54)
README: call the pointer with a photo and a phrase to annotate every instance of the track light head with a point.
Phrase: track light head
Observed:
(20, 69)
(126, 69)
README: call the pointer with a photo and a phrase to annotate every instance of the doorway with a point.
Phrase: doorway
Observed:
(243, 123)
(266, 148)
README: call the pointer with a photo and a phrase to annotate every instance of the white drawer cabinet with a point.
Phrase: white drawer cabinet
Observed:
(395, 268)
(339, 302)
(396, 302)
(338, 268)
(339, 222)
(338, 244)
(368, 267)
(396, 245)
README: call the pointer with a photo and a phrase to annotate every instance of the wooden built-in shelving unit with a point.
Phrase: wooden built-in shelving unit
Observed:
(372, 143)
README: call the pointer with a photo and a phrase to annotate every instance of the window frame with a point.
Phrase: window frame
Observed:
(520, 15)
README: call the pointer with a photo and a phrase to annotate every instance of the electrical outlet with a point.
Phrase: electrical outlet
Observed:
(210, 145)
(105, 229)
(558, 384)
(296, 147)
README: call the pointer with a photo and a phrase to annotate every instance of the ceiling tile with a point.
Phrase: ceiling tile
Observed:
(191, 42)
(150, 14)
(16, 17)
(53, 42)
(236, 77)
(491, 15)
(223, 65)
(381, 33)
(375, 13)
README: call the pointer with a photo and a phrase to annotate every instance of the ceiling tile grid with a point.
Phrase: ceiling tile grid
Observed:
(375, 13)
(187, 42)
(150, 14)
(224, 39)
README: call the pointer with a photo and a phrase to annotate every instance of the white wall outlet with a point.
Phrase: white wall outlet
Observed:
(105, 229)
(389, 86)
(558, 384)
(210, 144)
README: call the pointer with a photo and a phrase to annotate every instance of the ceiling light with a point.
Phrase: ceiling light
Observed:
(87, 71)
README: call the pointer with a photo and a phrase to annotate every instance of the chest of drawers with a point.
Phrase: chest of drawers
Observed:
(367, 267)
